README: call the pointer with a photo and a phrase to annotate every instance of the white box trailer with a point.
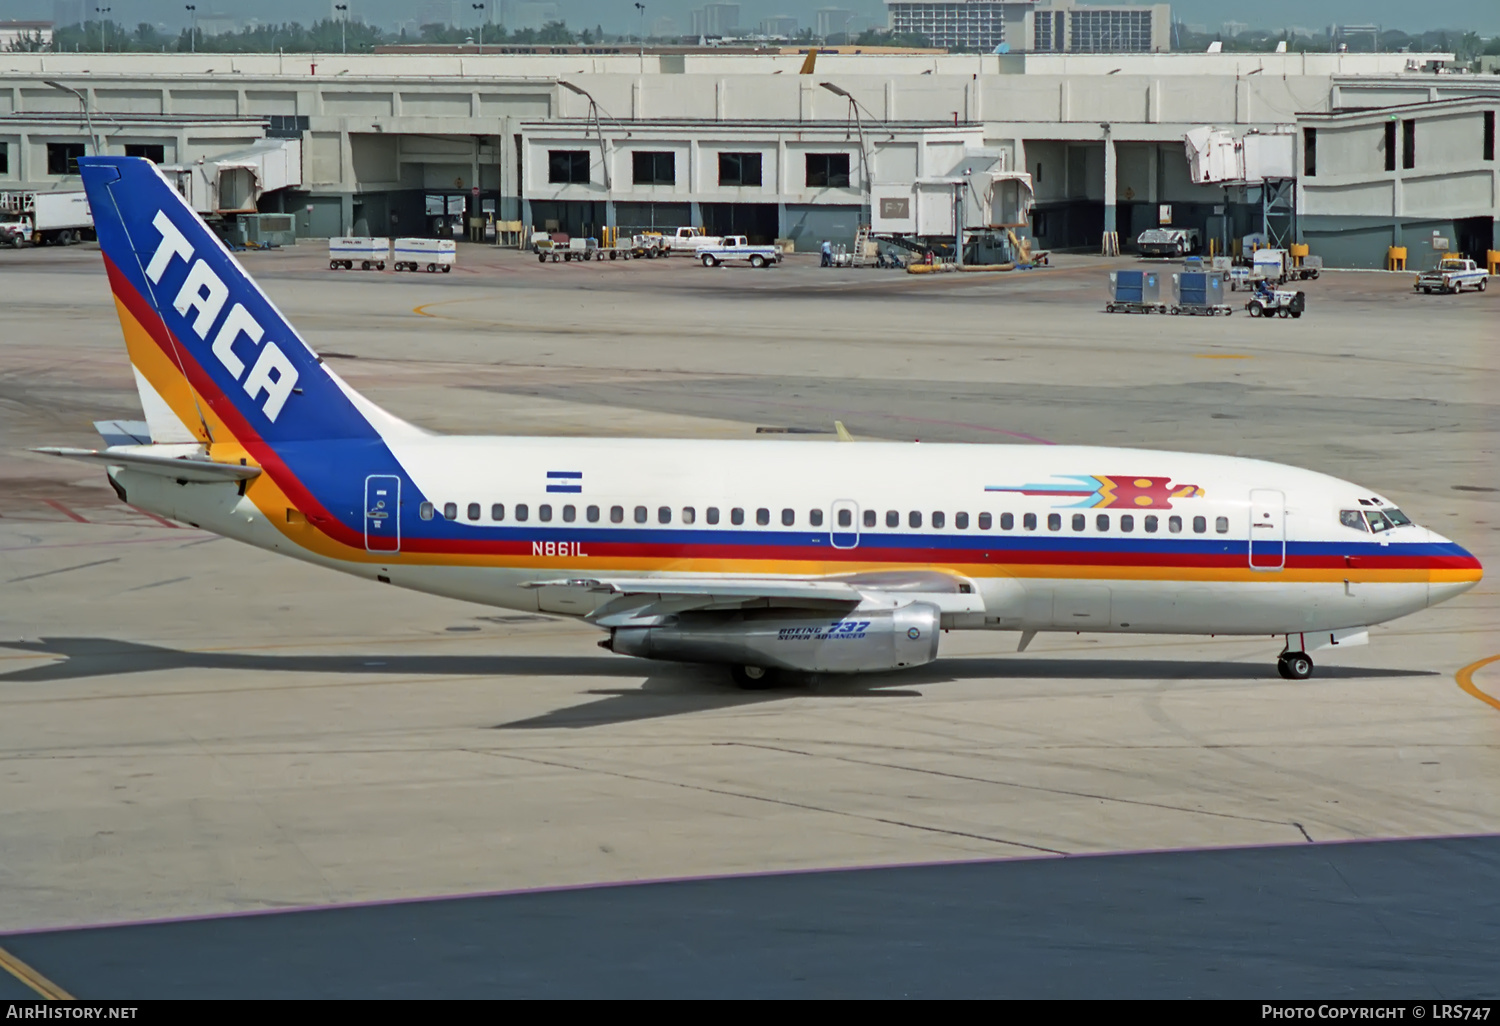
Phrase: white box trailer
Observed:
(431, 254)
(365, 251)
(43, 217)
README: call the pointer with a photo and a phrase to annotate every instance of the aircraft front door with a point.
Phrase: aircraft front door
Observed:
(843, 524)
(383, 513)
(1267, 529)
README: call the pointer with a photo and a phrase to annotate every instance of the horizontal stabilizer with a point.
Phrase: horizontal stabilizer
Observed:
(124, 432)
(179, 468)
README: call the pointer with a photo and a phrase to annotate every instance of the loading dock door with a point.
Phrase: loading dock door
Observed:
(1267, 529)
(383, 513)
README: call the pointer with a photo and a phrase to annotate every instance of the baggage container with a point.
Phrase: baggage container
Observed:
(431, 255)
(1199, 292)
(346, 251)
(1134, 292)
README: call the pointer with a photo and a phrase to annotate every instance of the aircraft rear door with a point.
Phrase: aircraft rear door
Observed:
(1267, 529)
(383, 513)
(843, 526)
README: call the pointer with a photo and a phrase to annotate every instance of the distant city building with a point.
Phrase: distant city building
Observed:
(1058, 26)
(832, 21)
(67, 12)
(438, 12)
(517, 16)
(716, 20)
(1063, 26)
(663, 28)
(1234, 28)
(779, 25)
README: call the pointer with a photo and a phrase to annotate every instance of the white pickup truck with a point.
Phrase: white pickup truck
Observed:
(1453, 274)
(736, 249)
(689, 240)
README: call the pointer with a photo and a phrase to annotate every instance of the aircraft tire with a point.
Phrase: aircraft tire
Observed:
(754, 678)
(1295, 665)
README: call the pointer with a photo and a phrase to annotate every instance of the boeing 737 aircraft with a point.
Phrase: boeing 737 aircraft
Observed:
(763, 556)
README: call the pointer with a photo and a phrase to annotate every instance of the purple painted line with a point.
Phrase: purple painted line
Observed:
(715, 877)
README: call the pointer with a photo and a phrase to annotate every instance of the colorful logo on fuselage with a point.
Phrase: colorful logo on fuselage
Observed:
(1097, 492)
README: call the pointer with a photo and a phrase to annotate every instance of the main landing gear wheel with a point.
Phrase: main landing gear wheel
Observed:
(754, 678)
(1294, 665)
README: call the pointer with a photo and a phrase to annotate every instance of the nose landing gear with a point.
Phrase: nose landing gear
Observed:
(1294, 665)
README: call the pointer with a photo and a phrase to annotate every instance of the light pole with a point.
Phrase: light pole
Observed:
(103, 28)
(343, 10)
(480, 9)
(192, 9)
(87, 119)
(864, 160)
(642, 9)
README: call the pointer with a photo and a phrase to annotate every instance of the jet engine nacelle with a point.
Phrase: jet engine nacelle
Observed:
(862, 641)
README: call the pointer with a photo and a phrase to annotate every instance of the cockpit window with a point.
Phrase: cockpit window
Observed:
(1352, 518)
(1398, 518)
(1378, 521)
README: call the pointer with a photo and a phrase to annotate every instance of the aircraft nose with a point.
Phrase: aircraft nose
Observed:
(1454, 570)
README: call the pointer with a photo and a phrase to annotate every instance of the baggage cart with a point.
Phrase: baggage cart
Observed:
(431, 255)
(369, 253)
(1135, 292)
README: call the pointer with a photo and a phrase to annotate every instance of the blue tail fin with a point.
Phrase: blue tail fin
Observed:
(211, 352)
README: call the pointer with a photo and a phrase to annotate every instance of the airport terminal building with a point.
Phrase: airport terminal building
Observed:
(421, 143)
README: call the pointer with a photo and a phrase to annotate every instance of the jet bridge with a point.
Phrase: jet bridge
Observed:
(980, 192)
(233, 183)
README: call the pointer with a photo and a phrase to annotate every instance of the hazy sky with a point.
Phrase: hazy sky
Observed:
(1482, 16)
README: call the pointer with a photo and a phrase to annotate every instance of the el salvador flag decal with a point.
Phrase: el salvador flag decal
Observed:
(564, 481)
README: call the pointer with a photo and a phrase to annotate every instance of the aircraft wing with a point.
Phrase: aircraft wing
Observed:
(179, 468)
(614, 601)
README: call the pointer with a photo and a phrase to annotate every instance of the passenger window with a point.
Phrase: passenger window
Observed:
(450, 511)
(592, 514)
(570, 514)
(815, 517)
(1102, 521)
(1054, 521)
(640, 514)
(473, 511)
(522, 512)
(1029, 521)
(892, 518)
(914, 519)
(1080, 521)
(736, 516)
(497, 511)
(870, 518)
(961, 521)
(937, 521)
(1174, 524)
(617, 514)
(689, 514)
(1127, 523)
(1378, 521)
(544, 513)
(713, 514)
(986, 521)
(762, 516)
(1151, 523)
(1221, 525)
(664, 515)
(425, 511)
(1200, 524)
(846, 518)
(788, 518)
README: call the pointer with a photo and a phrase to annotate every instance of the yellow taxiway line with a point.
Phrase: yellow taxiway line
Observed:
(1465, 678)
(33, 979)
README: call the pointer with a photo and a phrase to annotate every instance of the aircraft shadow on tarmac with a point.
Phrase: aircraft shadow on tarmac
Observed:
(669, 689)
